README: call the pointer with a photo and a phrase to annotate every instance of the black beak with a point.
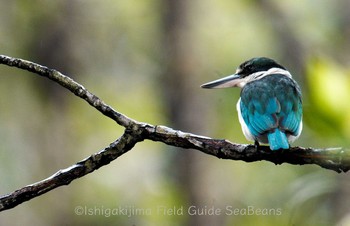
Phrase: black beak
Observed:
(226, 82)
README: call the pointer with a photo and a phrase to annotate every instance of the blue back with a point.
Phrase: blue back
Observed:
(272, 109)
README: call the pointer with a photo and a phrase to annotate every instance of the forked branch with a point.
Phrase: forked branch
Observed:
(337, 159)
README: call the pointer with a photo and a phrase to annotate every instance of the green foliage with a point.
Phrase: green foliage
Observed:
(328, 109)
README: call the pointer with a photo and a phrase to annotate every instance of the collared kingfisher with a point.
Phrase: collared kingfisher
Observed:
(270, 106)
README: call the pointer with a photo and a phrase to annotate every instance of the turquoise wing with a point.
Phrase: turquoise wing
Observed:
(270, 105)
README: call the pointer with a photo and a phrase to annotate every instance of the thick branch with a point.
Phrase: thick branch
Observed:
(337, 159)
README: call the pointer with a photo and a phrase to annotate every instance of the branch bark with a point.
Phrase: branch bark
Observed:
(337, 159)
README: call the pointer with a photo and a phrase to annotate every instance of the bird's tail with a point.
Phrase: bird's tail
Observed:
(278, 140)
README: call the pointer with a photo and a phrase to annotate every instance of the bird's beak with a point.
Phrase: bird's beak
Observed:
(226, 82)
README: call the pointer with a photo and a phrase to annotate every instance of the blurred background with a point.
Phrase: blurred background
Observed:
(147, 60)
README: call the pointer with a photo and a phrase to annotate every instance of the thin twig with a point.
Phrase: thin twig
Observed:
(69, 84)
(63, 177)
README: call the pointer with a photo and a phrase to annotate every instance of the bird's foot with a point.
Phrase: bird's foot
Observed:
(256, 144)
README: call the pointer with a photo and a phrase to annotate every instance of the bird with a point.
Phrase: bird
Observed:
(270, 104)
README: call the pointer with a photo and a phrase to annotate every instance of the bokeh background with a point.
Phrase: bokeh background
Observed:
(147, 59)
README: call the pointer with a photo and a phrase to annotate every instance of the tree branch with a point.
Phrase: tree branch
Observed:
(337, 159)
(65, 176)
(69, 84)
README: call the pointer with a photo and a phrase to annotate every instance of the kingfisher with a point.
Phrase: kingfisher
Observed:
(270, 104)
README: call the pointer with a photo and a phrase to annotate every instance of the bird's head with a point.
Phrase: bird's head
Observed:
(251, 70)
